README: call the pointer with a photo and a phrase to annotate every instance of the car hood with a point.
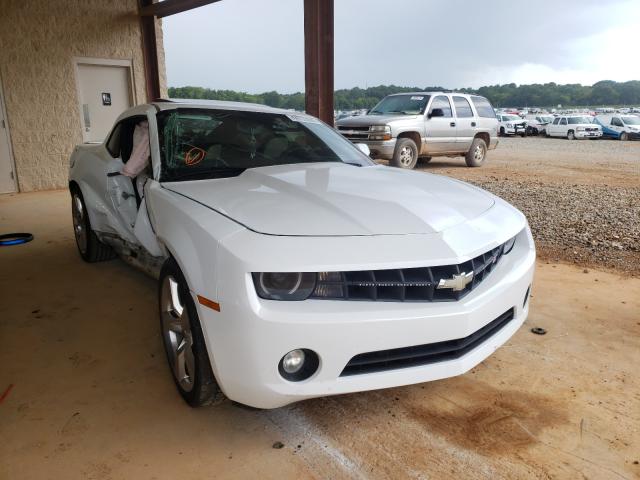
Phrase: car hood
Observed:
(335, 199)
(366, 120)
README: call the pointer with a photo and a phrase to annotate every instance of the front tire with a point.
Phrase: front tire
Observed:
(571, 135)
(91, 249)
(406, 154)
(183, 340)
(624, 137)
(477, 154)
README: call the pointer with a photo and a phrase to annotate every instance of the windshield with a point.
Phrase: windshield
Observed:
(546, 119)
(402, 104)
(206, 143)
(578, 120)
(631, 120)
(510, 118)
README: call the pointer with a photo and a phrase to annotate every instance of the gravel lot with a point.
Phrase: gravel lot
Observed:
(582, 198)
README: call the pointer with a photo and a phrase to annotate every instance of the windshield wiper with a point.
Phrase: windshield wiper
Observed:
(223, 172)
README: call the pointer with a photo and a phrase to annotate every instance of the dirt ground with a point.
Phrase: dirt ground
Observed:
(86, 393)
(582, 198)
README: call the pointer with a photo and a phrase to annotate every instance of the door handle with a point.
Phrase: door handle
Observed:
(473, 124)
(452, 124)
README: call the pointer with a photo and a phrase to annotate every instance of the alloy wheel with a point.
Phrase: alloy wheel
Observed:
(79, 227)
(406, 156)
(478, 153)
(176, 330)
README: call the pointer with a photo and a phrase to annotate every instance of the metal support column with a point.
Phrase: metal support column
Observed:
(150, 53)
(318, 58)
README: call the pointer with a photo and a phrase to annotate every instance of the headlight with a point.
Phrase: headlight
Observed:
(580, 129)
(509, 125)
(508, 245)
(285, 285)
(383, 131)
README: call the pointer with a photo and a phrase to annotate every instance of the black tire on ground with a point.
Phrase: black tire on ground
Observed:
(571, 135)
(502, 132)
(91, 249)
(405, 154)
(201, 387)
(624, 136)
(424, 160)
(477, 154)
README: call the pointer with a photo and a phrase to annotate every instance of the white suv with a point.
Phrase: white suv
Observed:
(573, 127)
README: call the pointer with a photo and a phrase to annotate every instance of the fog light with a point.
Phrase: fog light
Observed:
(292, 362)
(298, 364)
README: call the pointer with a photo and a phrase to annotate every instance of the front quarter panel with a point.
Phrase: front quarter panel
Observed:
(191, 233)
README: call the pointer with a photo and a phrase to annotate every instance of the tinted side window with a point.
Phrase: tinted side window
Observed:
(443, 103)
(616, 122)
(113, 144)
(563, 121)
(556, 121)
(483, 107)
(463, 109)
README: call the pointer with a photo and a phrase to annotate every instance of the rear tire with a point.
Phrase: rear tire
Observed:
(624, 137)
(406, 154)
(477, 154)
(424, 160)
(91, 249)
(183, 340)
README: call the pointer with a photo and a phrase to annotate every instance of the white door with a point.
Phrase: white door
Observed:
(7, 175)
(104, 93)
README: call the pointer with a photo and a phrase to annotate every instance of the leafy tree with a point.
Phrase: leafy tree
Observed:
(606, 92)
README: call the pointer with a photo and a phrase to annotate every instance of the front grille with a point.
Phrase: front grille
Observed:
(419, 355)
(408, 284)
(355, 133)
(591, 129)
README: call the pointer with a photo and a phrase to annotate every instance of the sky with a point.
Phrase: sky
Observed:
(258, 45)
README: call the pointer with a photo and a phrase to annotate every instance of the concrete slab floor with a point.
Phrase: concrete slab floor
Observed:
(92, 396)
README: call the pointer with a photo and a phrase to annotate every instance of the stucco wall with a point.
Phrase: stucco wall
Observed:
(38, 41)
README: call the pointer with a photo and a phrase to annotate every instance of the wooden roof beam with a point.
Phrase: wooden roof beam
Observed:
(171, 7)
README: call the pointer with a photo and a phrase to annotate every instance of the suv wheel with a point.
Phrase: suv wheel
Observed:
(184, 341)
(405, 154)
(571, 135)
(477, 153)
(624, 136)
(502, 132)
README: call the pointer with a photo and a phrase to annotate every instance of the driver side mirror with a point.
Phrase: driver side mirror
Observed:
(436, 112)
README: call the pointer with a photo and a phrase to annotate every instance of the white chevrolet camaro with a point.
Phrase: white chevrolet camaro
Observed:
(290, 265)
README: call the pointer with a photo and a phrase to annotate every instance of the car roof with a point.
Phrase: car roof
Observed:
(433, 92)
(218, 105)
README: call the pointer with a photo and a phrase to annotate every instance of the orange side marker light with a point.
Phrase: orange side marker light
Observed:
(209, 303)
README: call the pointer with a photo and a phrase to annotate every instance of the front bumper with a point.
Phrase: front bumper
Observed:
(380, 148)
(515, 130)
(583, 134)
(634, 135)
(249, 336)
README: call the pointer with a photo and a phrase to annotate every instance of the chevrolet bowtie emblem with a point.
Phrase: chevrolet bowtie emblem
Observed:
(457, 283)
